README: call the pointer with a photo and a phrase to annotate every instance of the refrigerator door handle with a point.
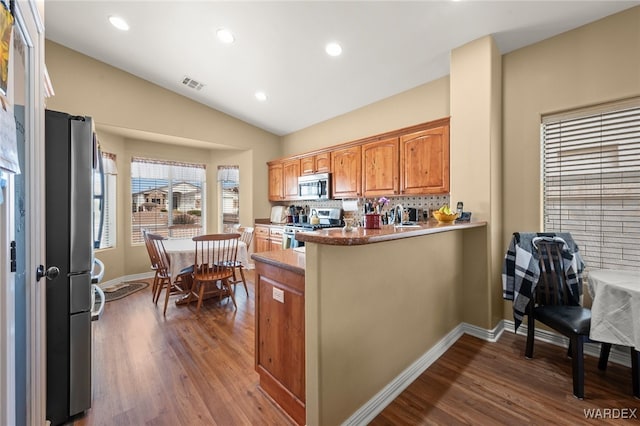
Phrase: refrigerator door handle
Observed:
(97, 313)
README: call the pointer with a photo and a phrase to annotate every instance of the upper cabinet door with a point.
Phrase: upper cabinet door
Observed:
(319, 163)
(290, 174)
(347, 173)
(276, 186)
(424, 161)
(380, 175)
(308, 165)
(323, 162)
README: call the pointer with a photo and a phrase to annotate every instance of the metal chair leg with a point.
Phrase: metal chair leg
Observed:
(531, 331)
(635, 371)
(577, 366)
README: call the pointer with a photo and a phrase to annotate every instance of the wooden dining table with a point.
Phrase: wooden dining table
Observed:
(615, 313)
(181, 254)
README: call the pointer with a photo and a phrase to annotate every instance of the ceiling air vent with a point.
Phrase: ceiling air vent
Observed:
(191, 83)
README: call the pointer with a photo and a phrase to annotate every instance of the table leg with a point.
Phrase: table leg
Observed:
(605, 349)
(184, 300)
(635, 372)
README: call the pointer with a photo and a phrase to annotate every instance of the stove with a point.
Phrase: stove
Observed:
(328, 217)
(310, 227)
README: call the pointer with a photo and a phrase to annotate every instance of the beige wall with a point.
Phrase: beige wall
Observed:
(122, 104)
(419, 105)
(476, 169)
(365, 325)
(593, 64)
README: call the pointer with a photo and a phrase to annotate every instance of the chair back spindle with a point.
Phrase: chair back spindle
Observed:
(215, 257)
(552, 287)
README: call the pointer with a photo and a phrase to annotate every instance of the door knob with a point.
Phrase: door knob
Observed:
(51, 273)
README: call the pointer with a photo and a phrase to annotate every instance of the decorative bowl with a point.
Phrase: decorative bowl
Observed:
(443, 217)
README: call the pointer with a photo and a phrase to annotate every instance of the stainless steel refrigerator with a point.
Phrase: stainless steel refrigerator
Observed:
(71, 155)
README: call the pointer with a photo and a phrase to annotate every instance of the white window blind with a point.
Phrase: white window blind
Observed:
(167, 198)
(108, 237)
(229, 179)
(591, 172)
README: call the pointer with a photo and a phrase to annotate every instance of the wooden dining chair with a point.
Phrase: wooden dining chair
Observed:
(557, 307)
(247, 238)
(153, 258)
(182, 282)
(214, 257)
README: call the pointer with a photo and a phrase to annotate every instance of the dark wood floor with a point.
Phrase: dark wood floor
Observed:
(189, 369)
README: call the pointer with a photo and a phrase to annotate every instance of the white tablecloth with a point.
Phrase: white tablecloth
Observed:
(181, 252)
(615, 312)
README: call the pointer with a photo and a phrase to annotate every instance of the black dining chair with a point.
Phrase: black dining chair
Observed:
(556, 306)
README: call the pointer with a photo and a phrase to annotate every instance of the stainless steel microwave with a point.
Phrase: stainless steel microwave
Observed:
(314, 187)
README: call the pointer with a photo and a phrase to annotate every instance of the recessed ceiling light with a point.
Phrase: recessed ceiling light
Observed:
(333, 49)
(119, 23)
(261, 96)
(225, 36)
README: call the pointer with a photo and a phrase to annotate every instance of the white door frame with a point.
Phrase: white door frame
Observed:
(35, 182)
(7, 309)
(27, 20)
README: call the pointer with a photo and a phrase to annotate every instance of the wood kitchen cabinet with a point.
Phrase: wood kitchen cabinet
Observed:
(290, 173)
(275, 238)
(346, 167)
(424, 161)
(413, 160)
(280, 331)
(262, 238)
(276, 186)
(380, 167)
(319, 163)
(268, 238)
(283, 180)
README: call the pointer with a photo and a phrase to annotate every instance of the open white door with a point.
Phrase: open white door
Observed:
(22, 299)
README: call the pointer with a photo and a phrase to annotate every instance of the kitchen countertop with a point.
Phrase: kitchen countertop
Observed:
(361, 235)
(290, 259)
(267, 222)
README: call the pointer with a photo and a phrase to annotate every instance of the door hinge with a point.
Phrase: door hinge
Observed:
(12, 258)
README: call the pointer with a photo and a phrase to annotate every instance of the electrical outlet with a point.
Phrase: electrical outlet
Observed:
(278, 295)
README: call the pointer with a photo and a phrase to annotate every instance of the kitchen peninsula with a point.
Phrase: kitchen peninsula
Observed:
(376, 301)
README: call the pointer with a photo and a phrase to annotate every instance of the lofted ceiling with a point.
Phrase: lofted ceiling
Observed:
(388, 47)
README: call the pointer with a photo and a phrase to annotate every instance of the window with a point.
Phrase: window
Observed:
(107, 196)
(167, 198)
(591, 172)
(229, 180)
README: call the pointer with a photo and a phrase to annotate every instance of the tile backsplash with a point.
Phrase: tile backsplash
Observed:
(427, 203)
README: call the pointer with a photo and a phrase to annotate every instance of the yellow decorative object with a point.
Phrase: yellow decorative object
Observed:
(442, 217)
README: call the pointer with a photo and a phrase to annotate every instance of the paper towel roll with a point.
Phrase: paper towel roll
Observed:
(350, 205)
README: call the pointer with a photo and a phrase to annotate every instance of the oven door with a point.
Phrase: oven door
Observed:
(289, 239)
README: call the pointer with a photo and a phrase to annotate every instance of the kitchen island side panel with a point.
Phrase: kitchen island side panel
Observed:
(280, 331)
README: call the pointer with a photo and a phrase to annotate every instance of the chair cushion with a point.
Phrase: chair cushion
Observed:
(565, 319)
(188, 270)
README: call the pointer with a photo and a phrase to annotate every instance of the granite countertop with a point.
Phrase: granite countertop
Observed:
(290, 259)
(360, 235)
(267, 222)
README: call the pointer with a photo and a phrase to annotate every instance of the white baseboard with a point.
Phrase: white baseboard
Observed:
(141, 276)
(134, 277)
(365, 414)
